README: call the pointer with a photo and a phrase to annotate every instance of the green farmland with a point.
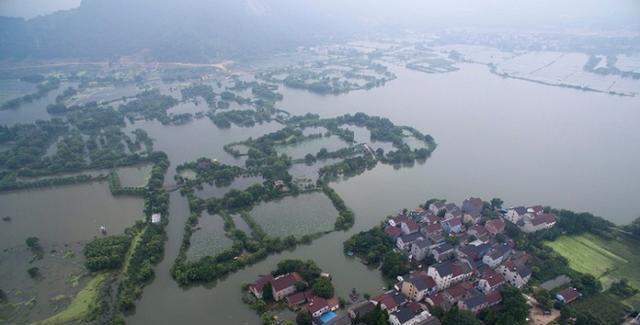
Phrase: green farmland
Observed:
(606, 260)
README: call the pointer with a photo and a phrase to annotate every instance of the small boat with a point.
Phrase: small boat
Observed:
(6, 218)
(103, 230)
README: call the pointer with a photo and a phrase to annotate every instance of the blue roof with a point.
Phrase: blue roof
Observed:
(326, 317)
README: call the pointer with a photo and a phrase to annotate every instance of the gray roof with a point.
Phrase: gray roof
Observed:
(443, 268)
(404, 314)
(411, 237)
(499, 251)
(363, 308)
(524, 271)
(520, 210)
(422, 243)
(475, 301)
(443, 248)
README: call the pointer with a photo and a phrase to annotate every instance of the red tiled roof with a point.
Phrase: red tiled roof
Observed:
(435, 227)
(386, 299)
(412, 225)
(536, 208)
(569, 294)
(494, 297)
(456, 221)
(436, 298)
(333, 303)
(493, 278)
(298, 297)
(400, 218)
(459, 290)
(285, 281)
(316, 304)
(495, 225)
(261, 282)
(543, 218)
(430, 218)
(392, 231)
(414, 307)
(480, 230)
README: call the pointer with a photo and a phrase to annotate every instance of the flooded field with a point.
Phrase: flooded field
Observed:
(302, 215)
(82, 209)
(312, 146)
(134, 176)
(240, 183)
(209, 238)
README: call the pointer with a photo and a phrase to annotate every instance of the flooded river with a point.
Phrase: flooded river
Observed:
(524, 142)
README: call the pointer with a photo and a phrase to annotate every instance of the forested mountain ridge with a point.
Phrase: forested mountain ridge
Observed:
(167, 30)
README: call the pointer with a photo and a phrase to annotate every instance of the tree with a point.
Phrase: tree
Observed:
(460, 317)
(322, 287)
(33, 242)
(267, 292)
(303, 318)
(33, 272)
(301, 286)
(3, 297)
(375, 317)
(544, 299)
(393, 265)
(516, 309)
(496, 203)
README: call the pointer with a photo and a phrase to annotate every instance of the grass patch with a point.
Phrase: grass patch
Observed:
(608, 261)
(80, 305)
(601, 307)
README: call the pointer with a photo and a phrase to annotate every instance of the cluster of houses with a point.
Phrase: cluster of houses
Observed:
(470, 259)
(283, 288)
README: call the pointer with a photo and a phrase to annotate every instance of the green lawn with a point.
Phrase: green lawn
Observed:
(607, 260)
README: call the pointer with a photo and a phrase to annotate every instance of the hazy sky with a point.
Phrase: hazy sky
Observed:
(430, 13)
(32, 8)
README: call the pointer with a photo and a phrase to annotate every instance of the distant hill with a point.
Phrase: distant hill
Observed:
(168, 30)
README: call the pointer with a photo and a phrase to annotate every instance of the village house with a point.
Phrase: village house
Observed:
(431, 219)
(299, 298)
(432, 229)
(536, 209)
(516, 274)
(494, 298)
(537, 222)
(409, 227)
(408, 316)
(448, 273)
(514, 215)
(393, 232)
(472, 205)
(495, 226)
(442, 252)
(474, 304)
(404, 242)
(454, 212)
(471, 218)
(438, 299)
(479, 232)
(471, 252)
(317, 306)
(389, 301)
(284, 285)
(452, 225)
(397, 220)
(417, 285)
(568, 295)
(436, 207)
(258, 285)
(490, 281)
(459, 291)
(420, 249)
(496, 255)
